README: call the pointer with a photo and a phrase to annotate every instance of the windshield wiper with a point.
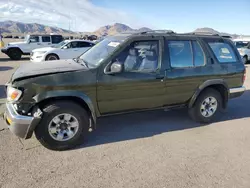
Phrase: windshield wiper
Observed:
(82, 62)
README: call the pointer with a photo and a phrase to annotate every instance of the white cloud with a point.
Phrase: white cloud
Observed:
(81, 14)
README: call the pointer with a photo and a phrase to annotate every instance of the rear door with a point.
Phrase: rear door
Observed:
(46, 41)
(188, 67)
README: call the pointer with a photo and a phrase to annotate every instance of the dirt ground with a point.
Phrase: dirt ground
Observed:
(150, 149)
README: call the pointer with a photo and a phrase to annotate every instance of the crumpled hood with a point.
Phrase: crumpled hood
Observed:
(47, 67)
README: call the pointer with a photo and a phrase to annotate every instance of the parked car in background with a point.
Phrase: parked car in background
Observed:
(67, 49)
(15, 50)
(243, 46)
(92, 37)
(61, 101)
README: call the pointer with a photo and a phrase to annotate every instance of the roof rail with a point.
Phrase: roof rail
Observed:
(201, 33)
(158, 31)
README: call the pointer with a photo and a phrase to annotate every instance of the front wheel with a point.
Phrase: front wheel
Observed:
(51, 57)
(207, 107)
(63, 126)
(15, 54)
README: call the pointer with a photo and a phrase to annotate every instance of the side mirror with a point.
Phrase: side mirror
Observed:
(115, 68)
(65, 47)
(29, 41)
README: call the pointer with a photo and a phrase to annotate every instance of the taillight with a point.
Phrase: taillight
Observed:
(244, 76)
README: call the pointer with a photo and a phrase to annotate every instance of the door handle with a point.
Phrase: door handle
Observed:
(38, 43)
(160, 78)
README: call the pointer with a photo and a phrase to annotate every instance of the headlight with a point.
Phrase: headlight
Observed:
(13, 94)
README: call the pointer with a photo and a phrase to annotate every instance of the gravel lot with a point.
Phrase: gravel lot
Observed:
(151, 149)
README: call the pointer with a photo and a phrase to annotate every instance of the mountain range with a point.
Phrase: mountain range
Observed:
(19, 28)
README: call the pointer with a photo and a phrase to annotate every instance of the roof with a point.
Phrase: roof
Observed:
(169, 33)
(78, 40)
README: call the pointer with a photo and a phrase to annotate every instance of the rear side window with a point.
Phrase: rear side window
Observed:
(56, 39)
(185, 54)
(223, 52)
(46, 38)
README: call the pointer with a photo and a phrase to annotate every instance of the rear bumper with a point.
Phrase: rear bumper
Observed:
(21, 126)
(236, 92)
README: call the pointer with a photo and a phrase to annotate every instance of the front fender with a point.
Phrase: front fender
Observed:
(205, 85)
(62, 93)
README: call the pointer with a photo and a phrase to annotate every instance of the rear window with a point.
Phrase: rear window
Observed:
(223, 52)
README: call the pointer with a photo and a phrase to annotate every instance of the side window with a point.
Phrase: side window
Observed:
(56, 39)
(180, 53)
(140, 56)
(46, 39)
(199, 57)
(84, 44)
(72, 45)
(34, 39)
(223, 52)
(184, 54)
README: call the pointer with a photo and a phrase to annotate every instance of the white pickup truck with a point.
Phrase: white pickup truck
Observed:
(243, 46)
(15, 50)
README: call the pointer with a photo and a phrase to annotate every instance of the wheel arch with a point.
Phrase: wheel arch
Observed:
(218, 84)
(16, 48)
(46, 58)
(77, 97)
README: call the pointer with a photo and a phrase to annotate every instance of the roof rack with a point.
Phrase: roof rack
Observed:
(201, 33)
(158, 31)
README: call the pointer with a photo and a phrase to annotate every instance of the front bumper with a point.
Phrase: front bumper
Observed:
(4, 50)
(36, 58)
(21, 126)
(236, 92)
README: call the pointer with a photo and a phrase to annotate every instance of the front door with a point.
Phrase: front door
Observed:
(141, 83)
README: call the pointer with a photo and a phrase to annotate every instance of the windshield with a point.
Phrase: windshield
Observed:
(27, 37)
(95, 55)
(61, 44)
(241, 44)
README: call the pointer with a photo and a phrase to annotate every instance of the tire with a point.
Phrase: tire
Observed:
(49, 139)
(15, 54)
(245, 59)
(196, 112)
(51, 57)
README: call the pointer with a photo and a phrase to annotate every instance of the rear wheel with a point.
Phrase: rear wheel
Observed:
(63, 126)
(51, 57)
(15, 54)
(207, 107)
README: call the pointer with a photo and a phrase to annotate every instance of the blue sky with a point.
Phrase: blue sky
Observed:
(186, 15)
(88, 15)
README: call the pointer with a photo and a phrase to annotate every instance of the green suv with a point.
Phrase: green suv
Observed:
(60, 100)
